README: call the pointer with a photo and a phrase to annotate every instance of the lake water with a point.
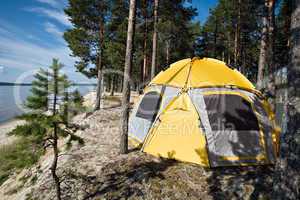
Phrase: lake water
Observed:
(12, 98)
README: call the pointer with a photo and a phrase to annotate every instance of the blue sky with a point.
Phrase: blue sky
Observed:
(31, 35)
(203, 8)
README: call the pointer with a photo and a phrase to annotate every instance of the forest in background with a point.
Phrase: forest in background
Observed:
(232, 33)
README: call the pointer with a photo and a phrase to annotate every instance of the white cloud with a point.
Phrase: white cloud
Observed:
(3, 31)
(23, 51)
(1, 70)
(51, 28)
(52, 3)
(59, 16)
(26, 55)
(17, 52)
(7, 29)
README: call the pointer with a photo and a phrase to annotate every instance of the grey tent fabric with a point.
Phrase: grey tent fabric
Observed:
(140, 121)
(149, 106)
(266, 126)
(138, 127)
(168, 94)
(230, 125)
(261, 114)
(198, 101)
(265, 123)
(227, 111)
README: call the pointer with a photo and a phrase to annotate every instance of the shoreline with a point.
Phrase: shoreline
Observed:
(9, 125)
(9, 121)
(6, 127)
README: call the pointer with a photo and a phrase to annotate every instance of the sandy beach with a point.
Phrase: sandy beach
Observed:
(5, 128)
(89, 100)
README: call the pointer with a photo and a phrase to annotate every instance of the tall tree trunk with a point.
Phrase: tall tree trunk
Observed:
(154, 40)
(287, 183)
(55, 138)
(244, 64)
(223, 55)
(112, 85)
(293, 107)
(287, 23)
(126, 80)
(66, 107)
(54, 164)
(237, 35)
(262, 63)
(167, 52)
(100, 67)
(272, 66)
(145, 34)
(47, 89)
(228, 48)
(215, 37)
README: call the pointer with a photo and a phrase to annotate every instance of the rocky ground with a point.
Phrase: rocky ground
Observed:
(97, 171)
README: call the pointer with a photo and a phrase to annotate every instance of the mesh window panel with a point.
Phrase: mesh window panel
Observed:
(149, 106)
(230, 112)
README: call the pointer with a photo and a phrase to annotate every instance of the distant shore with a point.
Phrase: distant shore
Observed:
(29, 84)
(12, 84)
(89, 100)
(7, 126)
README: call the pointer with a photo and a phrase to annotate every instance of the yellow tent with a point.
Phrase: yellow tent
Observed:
(204, 112)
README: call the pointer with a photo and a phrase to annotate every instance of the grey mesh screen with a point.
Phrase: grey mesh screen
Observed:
(230, 112)
(231, 127)
(139, 127)
(149, 106)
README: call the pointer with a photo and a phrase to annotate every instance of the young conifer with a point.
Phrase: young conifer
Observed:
(39, 92)
(48, 126)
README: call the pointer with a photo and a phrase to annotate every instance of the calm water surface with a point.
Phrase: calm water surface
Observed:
(12, 98)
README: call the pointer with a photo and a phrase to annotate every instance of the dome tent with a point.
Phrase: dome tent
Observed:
(204, 112)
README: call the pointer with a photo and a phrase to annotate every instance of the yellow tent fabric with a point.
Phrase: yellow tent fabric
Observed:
(178, 123)
(181, 128)
(206, 72)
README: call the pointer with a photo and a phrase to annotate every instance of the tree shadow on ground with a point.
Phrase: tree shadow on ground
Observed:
(251, 182)
(120, 179)
(241, 182)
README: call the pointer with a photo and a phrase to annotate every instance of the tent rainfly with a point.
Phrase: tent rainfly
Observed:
(204, 112)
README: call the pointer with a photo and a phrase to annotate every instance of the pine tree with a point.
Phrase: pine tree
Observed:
(293, 105)
(154, 39)
(177, 32)
(87, 38)
(237, 34)
(282, 34)
(76, 103)
(145, 38)
(263, 61)
(48, 127)
(127, 72)
(116, 42)
(39, 92)
(286, 184)
(271, 87)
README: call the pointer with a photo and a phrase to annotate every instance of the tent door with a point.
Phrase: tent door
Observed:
(235, 136)
(232, 130)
